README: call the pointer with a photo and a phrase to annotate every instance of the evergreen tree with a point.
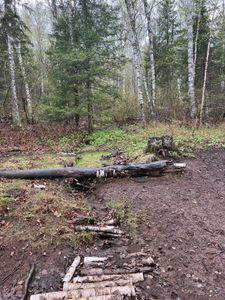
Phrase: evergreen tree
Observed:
(84, 59)
(202, 30)
(166, 40)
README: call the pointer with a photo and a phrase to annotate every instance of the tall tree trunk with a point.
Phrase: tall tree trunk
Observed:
(191, 71)
(148, 96)
(9, 9)
(196, 39)
(179, 89)
(152, 61)
(89, 106)
(204, 83)
(14, 102)
(29, 110)
(135, 46)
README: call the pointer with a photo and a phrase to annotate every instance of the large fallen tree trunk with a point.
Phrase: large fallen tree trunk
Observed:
(149, 169)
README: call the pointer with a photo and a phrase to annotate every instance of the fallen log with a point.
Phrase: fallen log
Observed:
(123, 290)
(99, 271)
(106, 297)
(88, 260)
(72, 269)
(133, 277)
(149, 169)
(67, 286)
(104, 229)
(114, 296)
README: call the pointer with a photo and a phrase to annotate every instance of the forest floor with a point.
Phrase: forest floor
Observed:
(177, 219)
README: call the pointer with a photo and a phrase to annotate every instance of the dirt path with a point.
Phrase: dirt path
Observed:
(182, 226)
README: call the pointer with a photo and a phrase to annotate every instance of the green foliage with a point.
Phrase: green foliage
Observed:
(5, 199)
(133, 139)
(91, 159)
(201, 23)
(83, 59)
(107, 137)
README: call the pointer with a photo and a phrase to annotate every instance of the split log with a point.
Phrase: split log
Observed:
(107, 229)
(123, 290)
(149, 169)
(98, 271)
(92, 271)
(111, 222)
(72, 269)
(133, 277)
(136, 254)
(106, 297)
(92, 259)
(68, 286)
(107, 235)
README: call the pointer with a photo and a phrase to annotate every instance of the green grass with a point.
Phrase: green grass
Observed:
(133, 139)
(91, 159)
(107, 137)
(124, 212)
(5, 200)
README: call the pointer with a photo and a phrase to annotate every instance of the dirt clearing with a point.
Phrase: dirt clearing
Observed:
(178, 220)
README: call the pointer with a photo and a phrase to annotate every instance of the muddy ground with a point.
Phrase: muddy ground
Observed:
(181, 224)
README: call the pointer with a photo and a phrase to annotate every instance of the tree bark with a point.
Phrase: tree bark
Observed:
(152, 62)
(204, 83)
(89, 106)
(149, 98)
(149, 169)
(26, 85)
(191, 70)
(135, 46)
(15, 106)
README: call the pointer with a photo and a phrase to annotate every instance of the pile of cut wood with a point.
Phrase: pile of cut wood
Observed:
(95, 281)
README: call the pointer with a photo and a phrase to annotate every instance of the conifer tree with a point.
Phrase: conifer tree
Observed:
(84, 59)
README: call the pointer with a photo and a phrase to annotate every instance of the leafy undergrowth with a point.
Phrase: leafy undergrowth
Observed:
(39, 218)
(132, 140)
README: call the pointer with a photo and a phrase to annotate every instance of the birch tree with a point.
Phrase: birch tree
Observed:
(29, 110)
(16, 120)
(130, 5)
(152, 61)
(204, 83)
(191, 68)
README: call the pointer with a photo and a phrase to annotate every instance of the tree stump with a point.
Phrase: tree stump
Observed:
(160, 146)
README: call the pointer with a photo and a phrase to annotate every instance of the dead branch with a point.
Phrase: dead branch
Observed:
(26, 285)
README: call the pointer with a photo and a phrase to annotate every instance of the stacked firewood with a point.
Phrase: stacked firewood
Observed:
(95, 282)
